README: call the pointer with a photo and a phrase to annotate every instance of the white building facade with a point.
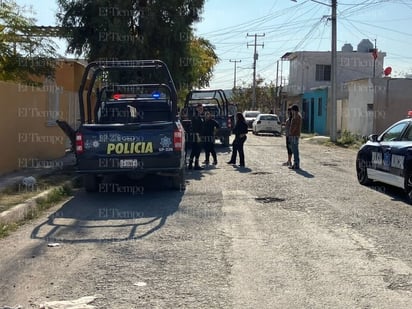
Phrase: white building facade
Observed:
(310, 70)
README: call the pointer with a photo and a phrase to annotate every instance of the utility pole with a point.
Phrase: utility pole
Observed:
(277, 97)
(375, 56)
(234, 77)
(277, 73)
(255, 57)
(334, 67)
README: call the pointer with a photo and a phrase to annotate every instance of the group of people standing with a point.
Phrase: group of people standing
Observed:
(202, 133)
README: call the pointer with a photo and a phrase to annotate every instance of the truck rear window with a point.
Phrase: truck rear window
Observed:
(269, 117)
(133, 103)
(133, 111)
(251, 114)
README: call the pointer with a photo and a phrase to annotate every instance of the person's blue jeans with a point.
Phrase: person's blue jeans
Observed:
(294, 142)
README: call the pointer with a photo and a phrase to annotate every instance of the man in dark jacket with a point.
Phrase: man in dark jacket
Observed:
(197, 129)
(209, 137)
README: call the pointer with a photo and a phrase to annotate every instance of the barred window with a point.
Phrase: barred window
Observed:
(323, 72)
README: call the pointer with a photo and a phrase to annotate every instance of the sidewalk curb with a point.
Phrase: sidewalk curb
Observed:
(20, 211)
(12, 178)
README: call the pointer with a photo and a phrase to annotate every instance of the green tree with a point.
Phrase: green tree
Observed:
(140, 29)
(23, 54)
(201, 60)
(265, 96)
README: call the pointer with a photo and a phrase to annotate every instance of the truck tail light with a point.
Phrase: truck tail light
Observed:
(178, 139)
(229, 123)
(79, 143)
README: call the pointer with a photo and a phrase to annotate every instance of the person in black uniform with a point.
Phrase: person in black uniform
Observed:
(240, 130)
(209, 137)
(187, 125)
(197, 129)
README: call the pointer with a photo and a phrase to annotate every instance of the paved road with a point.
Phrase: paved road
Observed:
(258, 237)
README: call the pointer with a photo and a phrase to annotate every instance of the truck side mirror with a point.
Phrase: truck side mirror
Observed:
(373, 138)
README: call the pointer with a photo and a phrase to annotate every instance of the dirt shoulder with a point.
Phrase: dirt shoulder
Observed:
(26, 193)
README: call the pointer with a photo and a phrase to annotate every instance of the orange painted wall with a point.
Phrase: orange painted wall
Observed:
(27, 136)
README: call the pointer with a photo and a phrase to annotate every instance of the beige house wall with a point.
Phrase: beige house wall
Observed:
(359, 112)
(344, 115)
(28, 131)
(393, 100)
(373, 105)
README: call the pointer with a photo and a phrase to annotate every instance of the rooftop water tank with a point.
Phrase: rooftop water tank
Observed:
(347, 48)
(365, 46)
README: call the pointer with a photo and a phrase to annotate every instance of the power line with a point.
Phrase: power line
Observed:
(287, 28)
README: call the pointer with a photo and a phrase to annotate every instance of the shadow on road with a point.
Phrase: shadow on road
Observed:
(396, 194)
(120, 211)
(267, 135)
(304, 173)
(242, 169)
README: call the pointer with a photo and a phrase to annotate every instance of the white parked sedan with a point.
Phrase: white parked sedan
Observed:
(267, 123)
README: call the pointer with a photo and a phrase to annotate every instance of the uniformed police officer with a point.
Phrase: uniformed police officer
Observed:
(197, 129)
(209, 127)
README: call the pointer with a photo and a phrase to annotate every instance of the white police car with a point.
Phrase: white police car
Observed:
(388, 157)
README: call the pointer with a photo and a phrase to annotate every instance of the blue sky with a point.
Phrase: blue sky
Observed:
(288, 26)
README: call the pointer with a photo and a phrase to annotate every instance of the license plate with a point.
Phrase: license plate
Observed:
(131, 163)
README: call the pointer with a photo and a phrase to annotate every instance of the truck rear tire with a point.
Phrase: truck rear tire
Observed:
(178, 181)
(226, 141)
(90, 183)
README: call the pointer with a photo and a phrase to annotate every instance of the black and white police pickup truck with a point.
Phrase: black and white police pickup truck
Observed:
(387, 158)
(128, 123)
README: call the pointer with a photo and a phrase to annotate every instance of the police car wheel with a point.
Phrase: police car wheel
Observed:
(408, 187)
(362, 172)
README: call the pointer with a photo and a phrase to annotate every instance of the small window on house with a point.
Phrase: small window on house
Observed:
(319, 106)
(369, 107)
(323, 72)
